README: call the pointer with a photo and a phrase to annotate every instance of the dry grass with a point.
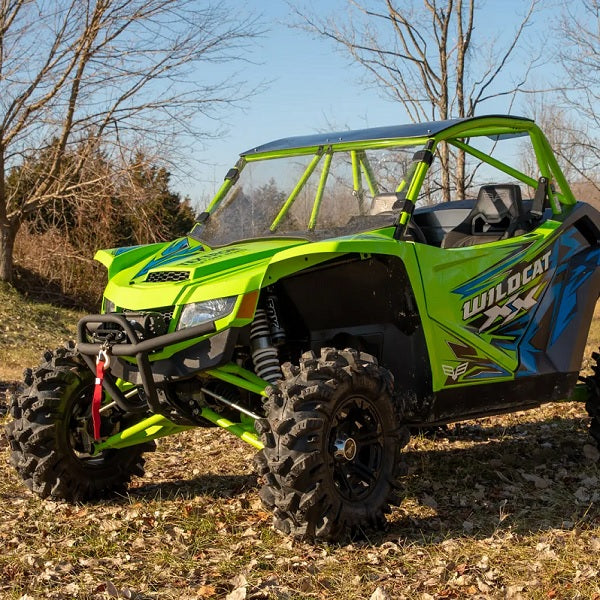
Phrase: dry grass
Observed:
(506, 507)
(27, 328)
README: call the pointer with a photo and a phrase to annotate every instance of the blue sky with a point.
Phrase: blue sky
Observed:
(312, 87)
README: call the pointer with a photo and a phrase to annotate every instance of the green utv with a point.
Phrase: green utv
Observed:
(319, 315)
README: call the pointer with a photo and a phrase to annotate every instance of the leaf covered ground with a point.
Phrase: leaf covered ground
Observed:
(505, 507)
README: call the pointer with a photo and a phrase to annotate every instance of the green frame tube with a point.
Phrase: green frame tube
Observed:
(238, 429)
(494, 163)
(339, 147)
(157, 426)
(581, 393)
(319, 195)
(356, 178)
(226, 186)
(240, 377)
(413, 189)
(366, 167)
(152, 428)
(288, 203)
(545, 156)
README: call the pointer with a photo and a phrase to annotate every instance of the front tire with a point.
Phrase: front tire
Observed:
(593, 402)
(333, 437)
(50, 435)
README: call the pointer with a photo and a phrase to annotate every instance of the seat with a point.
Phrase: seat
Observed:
(496, 215)
(383, 203)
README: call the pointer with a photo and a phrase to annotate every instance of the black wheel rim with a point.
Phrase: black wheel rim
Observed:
(356, 440)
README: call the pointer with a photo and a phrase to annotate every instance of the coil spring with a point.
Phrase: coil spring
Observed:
(264, 354)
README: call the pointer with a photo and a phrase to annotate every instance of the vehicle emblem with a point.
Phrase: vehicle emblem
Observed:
(455, 373)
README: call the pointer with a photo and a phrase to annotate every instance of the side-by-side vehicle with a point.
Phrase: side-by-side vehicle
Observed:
(326, 304)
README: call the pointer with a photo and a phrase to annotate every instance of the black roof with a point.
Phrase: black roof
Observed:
(409, 130)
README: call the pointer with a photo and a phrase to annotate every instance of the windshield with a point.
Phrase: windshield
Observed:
(313, 196)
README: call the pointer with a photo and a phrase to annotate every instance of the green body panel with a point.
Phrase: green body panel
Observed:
(443, 271)
(233, 270)
(116, 259)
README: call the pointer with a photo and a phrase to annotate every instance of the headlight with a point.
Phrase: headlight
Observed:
(202, 312)
(109, 306)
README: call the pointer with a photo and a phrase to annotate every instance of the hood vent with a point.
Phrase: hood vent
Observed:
(165, 276)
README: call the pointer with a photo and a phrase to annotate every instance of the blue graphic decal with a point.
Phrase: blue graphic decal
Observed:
(119, 251)
(558, 304)
(568, 302)
(507, 336)
(482, 282)
(471, 366)
(173, 253)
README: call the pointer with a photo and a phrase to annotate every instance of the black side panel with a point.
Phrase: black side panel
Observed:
(456, 404)
(369, 305)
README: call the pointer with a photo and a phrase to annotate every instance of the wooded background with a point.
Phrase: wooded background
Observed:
(99, 107)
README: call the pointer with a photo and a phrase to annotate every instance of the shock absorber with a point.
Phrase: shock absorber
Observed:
(264, 354)
(277, 331)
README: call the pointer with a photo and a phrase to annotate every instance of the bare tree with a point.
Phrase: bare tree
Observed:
(101, 75)
(580, 56)
(562, 132)
(423, 54)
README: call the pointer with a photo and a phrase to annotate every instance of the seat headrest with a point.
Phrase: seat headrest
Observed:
(383, 202)
(496, 202)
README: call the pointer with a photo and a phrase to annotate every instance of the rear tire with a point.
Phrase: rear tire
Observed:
(333, 437)
(50, 434)
(593, 402)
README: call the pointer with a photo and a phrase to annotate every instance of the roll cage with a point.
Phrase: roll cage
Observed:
(457, 133)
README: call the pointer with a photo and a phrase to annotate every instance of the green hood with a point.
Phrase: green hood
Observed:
(174, 271)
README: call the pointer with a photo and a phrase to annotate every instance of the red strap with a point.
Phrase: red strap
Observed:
(97, 399)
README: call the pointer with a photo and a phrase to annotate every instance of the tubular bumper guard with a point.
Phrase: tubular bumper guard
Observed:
(139, 349)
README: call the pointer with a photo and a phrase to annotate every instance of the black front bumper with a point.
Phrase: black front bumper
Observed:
(206, 354)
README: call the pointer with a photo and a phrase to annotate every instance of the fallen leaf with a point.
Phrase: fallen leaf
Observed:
(539, 482)
(595, 544)
(206, 591)
(513, 592)
(379, 594)
(239, 581)
(111, 590)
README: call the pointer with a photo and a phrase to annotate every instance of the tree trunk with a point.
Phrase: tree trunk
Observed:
(445, 167)
(8, 234)
(461, 188)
